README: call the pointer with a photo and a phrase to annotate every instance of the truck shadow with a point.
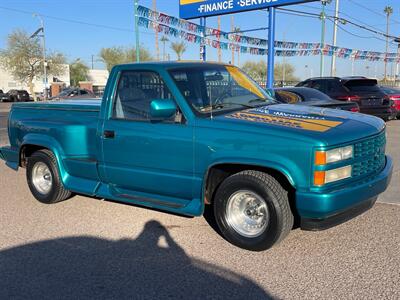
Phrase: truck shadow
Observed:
(150, 266)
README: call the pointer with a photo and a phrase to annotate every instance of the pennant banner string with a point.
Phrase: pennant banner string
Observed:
(193, 33)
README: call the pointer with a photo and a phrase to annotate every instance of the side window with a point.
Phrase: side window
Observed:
(288, 97)
(306, 83)
(333, 86)
(319, 85)
(136, 90)
(74, 93)
(83, 92)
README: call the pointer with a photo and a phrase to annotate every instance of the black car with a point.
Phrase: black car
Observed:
(312, 97)
(3, 97)
(18, 96)
(366, 92)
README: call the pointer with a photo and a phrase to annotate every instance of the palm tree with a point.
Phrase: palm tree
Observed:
(164, 39)
(388, 11)
(179, 49)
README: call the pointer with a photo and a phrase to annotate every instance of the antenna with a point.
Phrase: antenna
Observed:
(211, 112)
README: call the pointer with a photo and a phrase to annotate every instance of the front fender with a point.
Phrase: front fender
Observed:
(258, 163)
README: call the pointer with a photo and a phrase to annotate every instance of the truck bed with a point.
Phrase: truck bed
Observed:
(77, 104)
(69, 126)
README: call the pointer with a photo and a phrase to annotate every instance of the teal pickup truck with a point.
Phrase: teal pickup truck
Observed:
(182, 136)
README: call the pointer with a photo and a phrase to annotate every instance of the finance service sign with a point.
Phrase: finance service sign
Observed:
(190, 9)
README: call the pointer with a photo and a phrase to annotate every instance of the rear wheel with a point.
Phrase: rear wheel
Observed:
(252, 210)
(43, 178)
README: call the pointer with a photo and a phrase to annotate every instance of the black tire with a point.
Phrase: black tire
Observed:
(56, 192)
(280, 218)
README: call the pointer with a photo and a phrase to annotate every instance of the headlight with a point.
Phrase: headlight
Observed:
(334, 155)
(324, 177)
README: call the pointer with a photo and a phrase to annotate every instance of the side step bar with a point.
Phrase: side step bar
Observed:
(150, 200)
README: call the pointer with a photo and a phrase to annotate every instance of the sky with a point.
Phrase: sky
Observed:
(80, 28)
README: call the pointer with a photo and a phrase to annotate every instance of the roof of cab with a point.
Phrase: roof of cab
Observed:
(173, 64)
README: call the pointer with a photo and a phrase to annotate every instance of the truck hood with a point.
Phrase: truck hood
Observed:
(327, 126)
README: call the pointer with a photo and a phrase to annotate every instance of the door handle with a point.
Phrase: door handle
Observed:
(109, 134)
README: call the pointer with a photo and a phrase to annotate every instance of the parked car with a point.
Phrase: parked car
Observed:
(74, 93)
(18, 96)
(312, 97)
(4, 97)
(366, 92)
(180, 136)
(394, 95)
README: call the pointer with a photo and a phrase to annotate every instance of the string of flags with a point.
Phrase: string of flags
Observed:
(193, 33)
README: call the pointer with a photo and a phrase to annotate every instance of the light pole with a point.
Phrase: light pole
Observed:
(323, 23)
(164, 39)
(136, 4)
(44, 52)
(397, 40)
(335, 27)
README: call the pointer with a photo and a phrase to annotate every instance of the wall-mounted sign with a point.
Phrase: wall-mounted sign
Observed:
(191, 9)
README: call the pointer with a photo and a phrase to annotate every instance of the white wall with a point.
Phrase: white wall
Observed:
(98, 77)
(7, 82)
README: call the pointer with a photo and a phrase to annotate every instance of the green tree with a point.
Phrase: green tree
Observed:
(119, 55)
(23, 58)
(289, 70)
(179, 48)
(258, 71)
(78, 72)
(144, 55)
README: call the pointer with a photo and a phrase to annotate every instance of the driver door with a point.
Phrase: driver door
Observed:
(141, 155)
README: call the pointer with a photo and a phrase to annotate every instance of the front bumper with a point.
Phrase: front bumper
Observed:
(319, 211)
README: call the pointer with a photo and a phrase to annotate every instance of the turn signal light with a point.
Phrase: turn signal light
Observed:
(324, 177)
(320, 158)
(319, 178)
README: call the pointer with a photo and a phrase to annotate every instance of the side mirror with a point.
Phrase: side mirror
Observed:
(161, 109)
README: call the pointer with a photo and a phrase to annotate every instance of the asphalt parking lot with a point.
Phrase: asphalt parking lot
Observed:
(87, 248)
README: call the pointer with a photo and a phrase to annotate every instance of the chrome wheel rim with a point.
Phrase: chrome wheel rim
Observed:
(41, 178)
(247, 213)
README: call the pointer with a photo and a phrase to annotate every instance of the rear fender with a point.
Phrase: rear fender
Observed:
(49, 143)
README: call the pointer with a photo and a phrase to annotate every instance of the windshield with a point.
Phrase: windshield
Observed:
(65, 92)
(362, 85)
(219, 88)
(390, 91)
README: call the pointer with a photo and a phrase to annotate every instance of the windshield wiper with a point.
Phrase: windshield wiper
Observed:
(271, 102)
(221, 105)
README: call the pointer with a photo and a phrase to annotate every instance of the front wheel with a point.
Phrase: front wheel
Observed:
(43, 178)
(252, 210)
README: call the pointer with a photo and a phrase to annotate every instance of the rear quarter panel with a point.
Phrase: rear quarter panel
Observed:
(69, 134)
